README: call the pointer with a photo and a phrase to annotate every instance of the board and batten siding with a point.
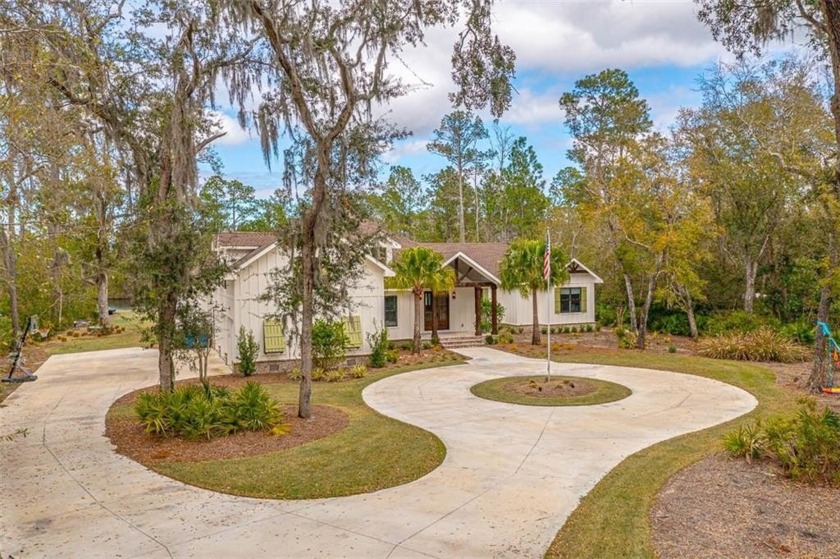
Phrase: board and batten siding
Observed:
(242, 307)
(518, 309)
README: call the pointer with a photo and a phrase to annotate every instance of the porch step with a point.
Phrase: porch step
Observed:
(454, 342)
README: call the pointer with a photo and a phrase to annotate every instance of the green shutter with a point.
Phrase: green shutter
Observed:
(582, 299)
(557, 300)
(353, 325)
(273, 339)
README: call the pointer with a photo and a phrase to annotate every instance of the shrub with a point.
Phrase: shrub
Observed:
(407, 346)
(490, 339)
(251, 408)
(672, 348)
(359, 371)
(721, 322)
(543, 330)
(801, 331)
(392, 356)
(763, 344)
(807, 447)
(626, 338)
(487, 314)
(196, 411)
(248, 348)
(504, 338)
(335, 376)
(318, 374)
(329, 344)
(294, 373)
(427, 345)
(435, 341)
(748, 441)
(378, 342)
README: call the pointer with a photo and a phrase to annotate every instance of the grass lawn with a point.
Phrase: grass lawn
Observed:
(130, 337)
(373, 452)
(613, 519)
(500, 390)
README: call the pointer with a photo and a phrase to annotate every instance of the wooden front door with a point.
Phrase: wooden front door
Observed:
(442, 302)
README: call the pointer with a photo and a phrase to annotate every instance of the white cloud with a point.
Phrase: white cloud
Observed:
(234, 134)
(588, 36)
(559, 41)
(402, 149)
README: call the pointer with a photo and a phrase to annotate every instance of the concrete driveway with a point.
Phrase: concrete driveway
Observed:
(511, 477)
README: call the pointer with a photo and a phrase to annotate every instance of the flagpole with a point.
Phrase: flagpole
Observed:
(547, 272)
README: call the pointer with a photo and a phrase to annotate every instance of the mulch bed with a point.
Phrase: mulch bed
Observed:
(727, 508)
(551, 389)
(131, 440)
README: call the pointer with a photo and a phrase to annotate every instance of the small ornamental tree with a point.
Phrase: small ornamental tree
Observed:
(329, 343)
(248, 349)
(193, 337)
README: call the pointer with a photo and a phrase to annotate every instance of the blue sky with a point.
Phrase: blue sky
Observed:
(659, 43)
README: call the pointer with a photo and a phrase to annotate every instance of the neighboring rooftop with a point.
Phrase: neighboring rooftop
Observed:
(245, 239)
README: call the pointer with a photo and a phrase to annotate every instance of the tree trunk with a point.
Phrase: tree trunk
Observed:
(643, 319)
(418, 316)
(434, 317)
(462, 227)
(831, 17)
(307, 318)
(102, 299)
(475, 190)
(692, 320)
(7, 244)
(750, 271)
(631, 304)
(535, 326)
(819, 373)
(166, 315)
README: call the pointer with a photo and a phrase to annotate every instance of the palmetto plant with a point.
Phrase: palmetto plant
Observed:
(419, 269)
(521, 270)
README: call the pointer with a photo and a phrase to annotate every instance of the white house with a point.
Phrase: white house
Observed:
(476, 268)
(254, 255)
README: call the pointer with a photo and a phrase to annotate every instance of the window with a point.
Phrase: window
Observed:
(273, 339)
(353, 329)
(569, 299)
(391, 311)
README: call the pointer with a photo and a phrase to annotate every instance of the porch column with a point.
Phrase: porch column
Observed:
(477, 311)
(494, 320)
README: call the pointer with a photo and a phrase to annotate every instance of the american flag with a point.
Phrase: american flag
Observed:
(547, 259)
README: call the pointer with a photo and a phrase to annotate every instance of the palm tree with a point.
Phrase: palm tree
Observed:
(522, 269)
(418, 269)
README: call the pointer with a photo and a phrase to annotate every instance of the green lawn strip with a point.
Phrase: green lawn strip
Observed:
(374, 452)
(613, 519)
(497, 390)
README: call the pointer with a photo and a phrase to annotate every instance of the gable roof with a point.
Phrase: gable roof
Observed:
(486, 255)
(575, 267)
(261, 243)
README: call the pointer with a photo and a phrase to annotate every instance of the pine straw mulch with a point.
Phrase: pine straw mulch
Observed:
(555, 388)
(727, 508)
(130, 439)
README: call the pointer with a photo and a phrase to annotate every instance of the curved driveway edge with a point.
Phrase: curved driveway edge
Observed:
(511, 477)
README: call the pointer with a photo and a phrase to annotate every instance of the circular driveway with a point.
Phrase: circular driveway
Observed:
(511, 477)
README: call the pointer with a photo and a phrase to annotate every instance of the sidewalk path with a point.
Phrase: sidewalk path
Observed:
(511, 477)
